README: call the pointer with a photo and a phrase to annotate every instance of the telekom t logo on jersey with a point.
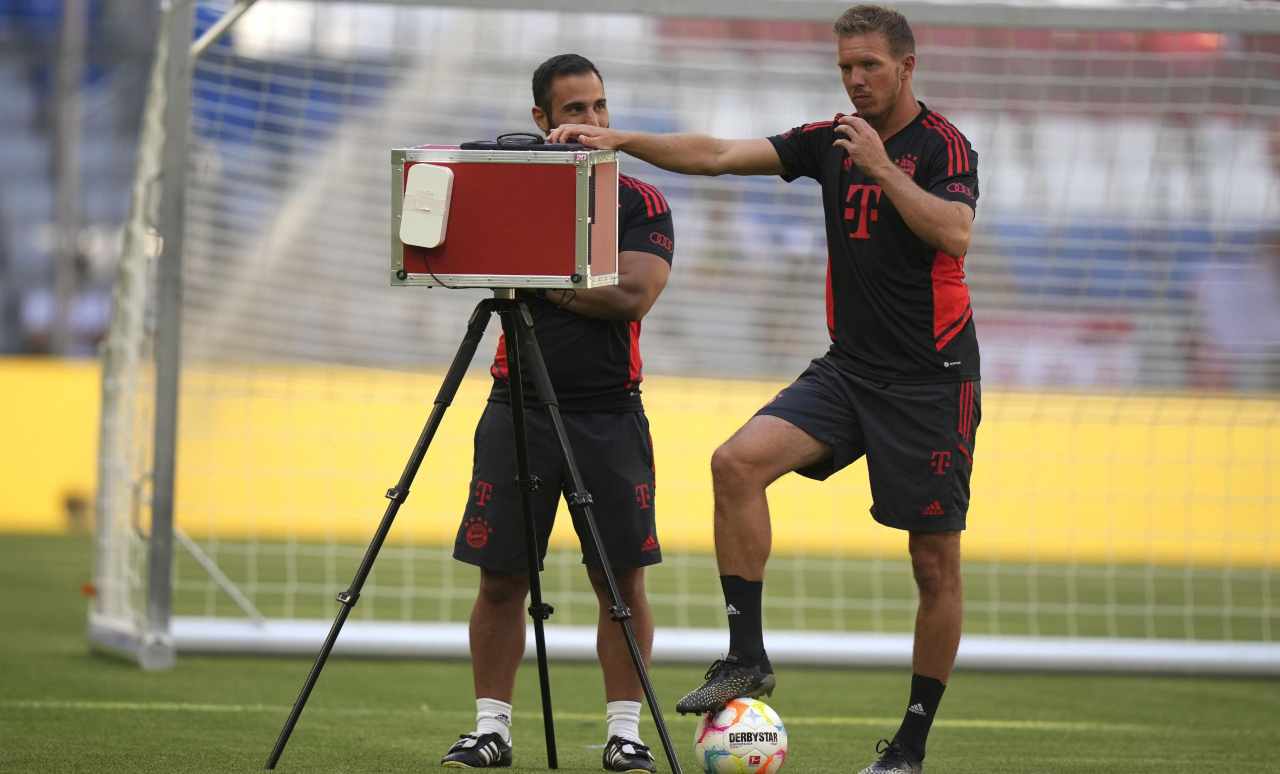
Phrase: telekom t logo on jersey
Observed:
(860, 206)
(484, 493)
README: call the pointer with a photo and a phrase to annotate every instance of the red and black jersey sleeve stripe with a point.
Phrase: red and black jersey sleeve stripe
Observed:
(654, 202)
(957, 152)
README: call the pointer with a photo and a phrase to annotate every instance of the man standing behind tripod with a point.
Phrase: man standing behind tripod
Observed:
(591, 343)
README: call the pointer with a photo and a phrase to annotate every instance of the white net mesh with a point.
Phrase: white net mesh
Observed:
(1119, 271)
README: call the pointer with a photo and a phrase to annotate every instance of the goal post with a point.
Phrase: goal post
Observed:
(262, 384)
(131, 615)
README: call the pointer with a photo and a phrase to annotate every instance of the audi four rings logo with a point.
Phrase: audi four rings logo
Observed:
(960, 188)
(661, 240)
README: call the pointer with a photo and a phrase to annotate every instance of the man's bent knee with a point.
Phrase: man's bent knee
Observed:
(499, 589)
(630, 582)
(935, 563)
(761, 451)
(730, 467)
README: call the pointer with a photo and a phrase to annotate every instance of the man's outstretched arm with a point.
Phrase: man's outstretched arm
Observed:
(690, 154)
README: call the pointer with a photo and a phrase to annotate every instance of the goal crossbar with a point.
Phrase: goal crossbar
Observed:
(1213, 15)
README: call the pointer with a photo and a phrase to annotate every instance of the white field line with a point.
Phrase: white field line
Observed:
(817, 720)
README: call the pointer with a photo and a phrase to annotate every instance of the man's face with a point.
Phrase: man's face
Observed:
(872, 76)
(575, 99)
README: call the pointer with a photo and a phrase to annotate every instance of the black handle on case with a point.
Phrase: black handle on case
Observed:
(528, 142)
(528, 138)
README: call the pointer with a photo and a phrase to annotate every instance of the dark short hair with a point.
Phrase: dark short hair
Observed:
(864, 19)
(556, 67)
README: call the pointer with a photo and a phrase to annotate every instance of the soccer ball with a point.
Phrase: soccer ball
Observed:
(746, 737)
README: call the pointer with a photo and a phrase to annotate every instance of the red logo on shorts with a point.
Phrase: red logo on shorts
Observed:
(643, 496)
(932, 509)
(650, 544)
(939, 461)
(484, 493)
(476, 532)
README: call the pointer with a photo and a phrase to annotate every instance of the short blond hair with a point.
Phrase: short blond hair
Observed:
(864, 19)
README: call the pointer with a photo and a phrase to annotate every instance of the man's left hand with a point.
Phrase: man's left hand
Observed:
(864, 146)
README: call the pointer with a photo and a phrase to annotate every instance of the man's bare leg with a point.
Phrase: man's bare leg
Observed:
(742, 468)
(497, 645)
(623, 692)
(620, 679)
(935, 561)
(497, 634)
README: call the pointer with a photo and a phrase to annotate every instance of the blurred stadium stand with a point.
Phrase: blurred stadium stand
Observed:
(119, 46)
(1116, 280)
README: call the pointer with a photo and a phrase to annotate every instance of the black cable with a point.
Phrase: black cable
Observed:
(440, 282)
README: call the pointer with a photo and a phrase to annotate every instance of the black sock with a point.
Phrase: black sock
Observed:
(742, 604)
(926, 695)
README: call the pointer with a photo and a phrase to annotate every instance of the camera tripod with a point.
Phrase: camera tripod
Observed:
(517, 325)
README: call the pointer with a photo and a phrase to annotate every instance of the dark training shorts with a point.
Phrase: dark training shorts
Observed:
(615, 457)
(918, 440)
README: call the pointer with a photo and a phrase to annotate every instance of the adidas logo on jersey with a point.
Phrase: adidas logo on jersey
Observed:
(932, 509)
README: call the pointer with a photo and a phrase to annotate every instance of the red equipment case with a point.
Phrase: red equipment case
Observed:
(511, 218)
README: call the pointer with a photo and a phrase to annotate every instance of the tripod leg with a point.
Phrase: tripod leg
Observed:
(537, 610)
(397, 495)
(580, 499)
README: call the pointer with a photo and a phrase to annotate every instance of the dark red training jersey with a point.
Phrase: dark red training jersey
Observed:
(897, 308)
(595, 365)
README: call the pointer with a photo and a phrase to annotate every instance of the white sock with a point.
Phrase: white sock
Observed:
(493, 717)
(624, 719)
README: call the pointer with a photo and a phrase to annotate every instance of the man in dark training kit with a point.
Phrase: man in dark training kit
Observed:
(591, 342)
(900, 382)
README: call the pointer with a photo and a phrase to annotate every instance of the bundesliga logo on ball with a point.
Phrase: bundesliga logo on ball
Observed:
(746, 737)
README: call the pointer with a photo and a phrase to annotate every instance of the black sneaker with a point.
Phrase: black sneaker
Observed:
(726, 680)
(625, 755)
(481, 751)
(893, 760)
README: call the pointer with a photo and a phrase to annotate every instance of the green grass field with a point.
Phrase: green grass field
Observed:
(65, 709)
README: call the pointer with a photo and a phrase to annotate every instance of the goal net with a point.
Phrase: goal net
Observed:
(1124, 267)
